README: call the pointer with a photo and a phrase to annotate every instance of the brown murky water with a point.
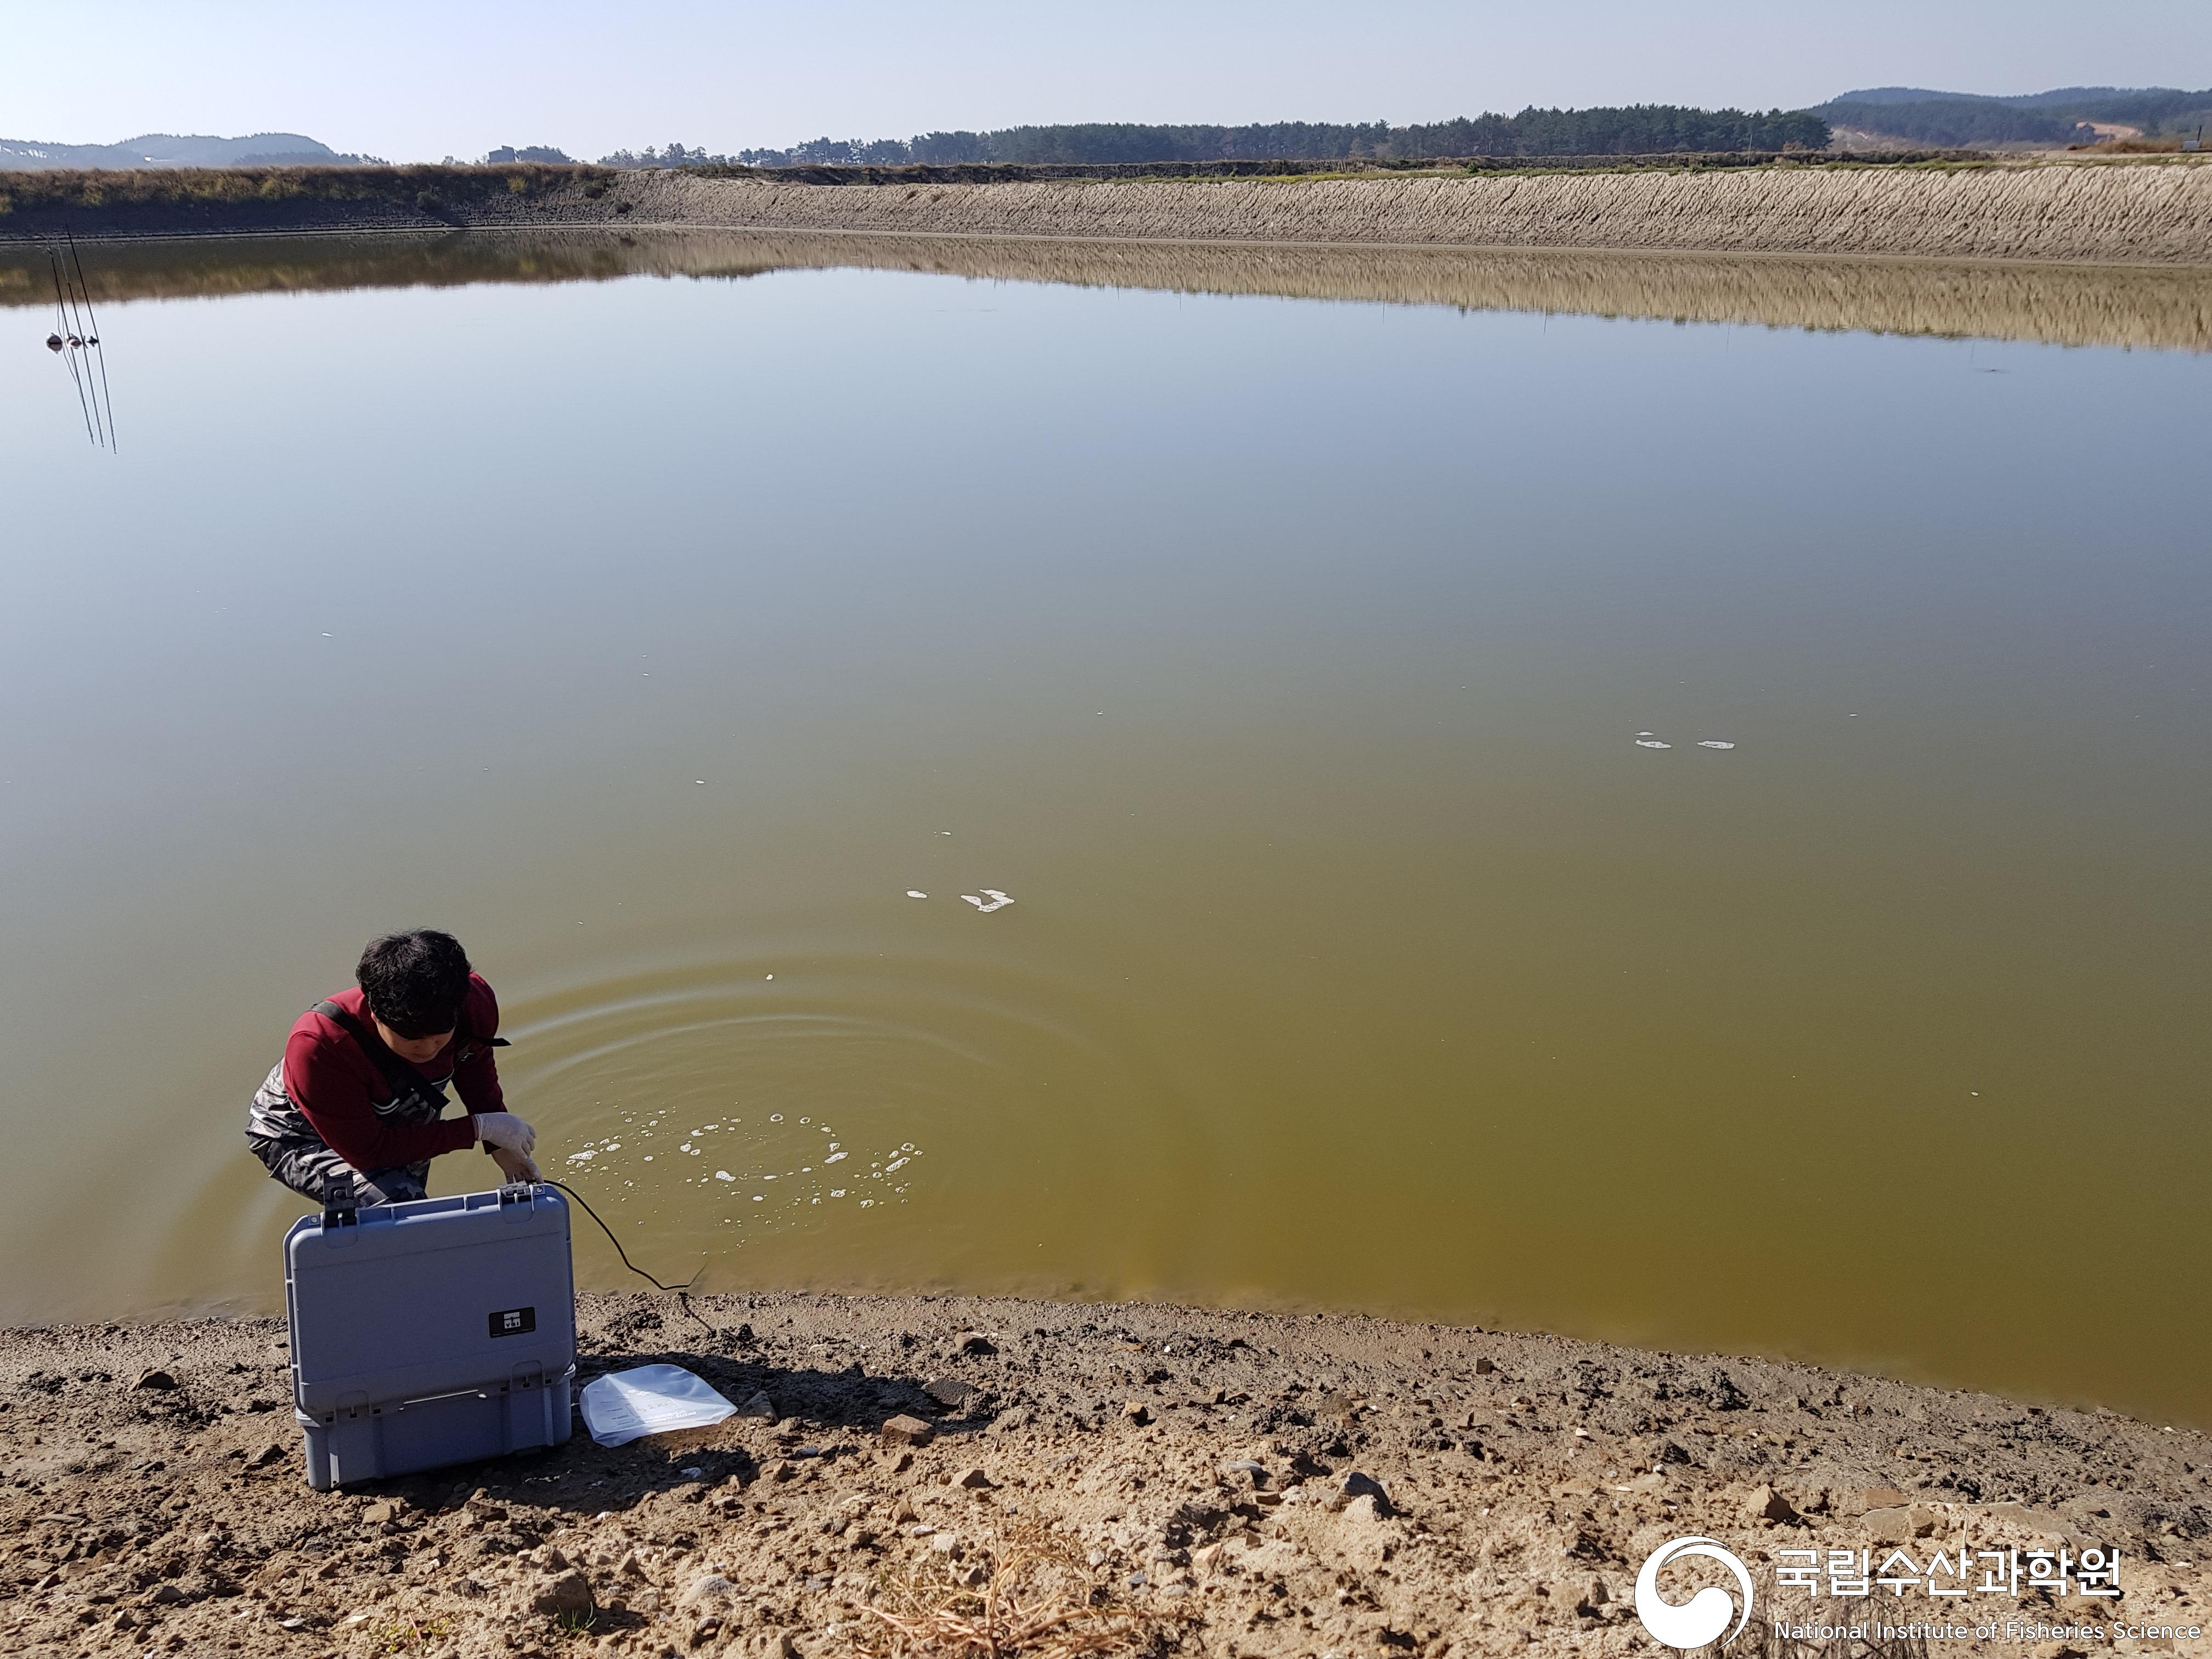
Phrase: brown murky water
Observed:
(1285, 660)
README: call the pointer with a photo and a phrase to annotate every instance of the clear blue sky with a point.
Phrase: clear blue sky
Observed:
(416, 80)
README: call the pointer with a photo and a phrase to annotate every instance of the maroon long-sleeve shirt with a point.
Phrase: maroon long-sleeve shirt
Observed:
(337, 1086)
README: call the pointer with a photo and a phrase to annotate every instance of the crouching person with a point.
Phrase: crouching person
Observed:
(361, 1093)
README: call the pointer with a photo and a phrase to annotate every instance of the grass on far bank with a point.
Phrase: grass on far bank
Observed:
(67, 190)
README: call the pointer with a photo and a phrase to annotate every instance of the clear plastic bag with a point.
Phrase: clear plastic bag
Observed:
(622, 1406)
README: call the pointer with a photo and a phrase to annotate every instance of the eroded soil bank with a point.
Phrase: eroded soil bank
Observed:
(2149, 211)
(1155, 1478)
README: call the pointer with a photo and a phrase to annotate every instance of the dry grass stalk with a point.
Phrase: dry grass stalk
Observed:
(1758, 1640)
(1031, 1594)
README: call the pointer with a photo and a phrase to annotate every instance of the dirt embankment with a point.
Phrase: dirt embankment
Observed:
(2150, 211)
(2156, 214)
(1157, 1480)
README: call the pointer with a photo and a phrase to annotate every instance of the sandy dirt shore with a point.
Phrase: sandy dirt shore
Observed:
(1127, 1479)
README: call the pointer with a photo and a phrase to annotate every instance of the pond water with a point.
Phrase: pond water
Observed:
(1336, 688)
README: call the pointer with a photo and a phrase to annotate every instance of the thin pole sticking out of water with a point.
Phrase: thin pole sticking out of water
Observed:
(81, 342)
(99, 350)
(62, 325)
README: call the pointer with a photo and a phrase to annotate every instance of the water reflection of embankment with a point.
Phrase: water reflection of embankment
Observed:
(2167, 308)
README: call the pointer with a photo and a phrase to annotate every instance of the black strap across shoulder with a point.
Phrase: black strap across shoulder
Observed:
(401, 1077)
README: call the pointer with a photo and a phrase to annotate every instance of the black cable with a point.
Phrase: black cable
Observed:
(672, 1289)
(679, 1292)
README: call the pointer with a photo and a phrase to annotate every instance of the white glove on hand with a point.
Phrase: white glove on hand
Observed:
(506, 1130)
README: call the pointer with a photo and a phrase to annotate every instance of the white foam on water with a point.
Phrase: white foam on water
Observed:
(1709, 742)
(723, 1175)
(911, 893)
(1652, 743)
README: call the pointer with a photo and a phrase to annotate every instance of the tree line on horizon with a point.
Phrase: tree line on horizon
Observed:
(2062, 117)
(1631, 130)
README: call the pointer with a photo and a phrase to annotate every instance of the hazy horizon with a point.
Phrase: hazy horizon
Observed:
(407, 82)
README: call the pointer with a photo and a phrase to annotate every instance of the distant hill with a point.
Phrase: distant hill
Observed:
(2067, 115)
(168, 149)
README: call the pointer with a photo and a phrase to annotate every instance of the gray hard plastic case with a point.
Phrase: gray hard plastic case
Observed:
(432, 1333)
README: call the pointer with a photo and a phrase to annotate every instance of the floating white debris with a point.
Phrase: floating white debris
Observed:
(1652, 743)
(993, 899)
(1709, 742)
(776, 1117)
(911, 893)
(584, 1156)
(723, 1175)
(836, 1157)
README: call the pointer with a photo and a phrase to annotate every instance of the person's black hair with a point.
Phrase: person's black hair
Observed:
(414, 981)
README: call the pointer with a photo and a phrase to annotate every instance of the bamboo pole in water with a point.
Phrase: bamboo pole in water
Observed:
(68, 351)
(98, 347)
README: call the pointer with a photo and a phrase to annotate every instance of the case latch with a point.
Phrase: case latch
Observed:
(339, 1207)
